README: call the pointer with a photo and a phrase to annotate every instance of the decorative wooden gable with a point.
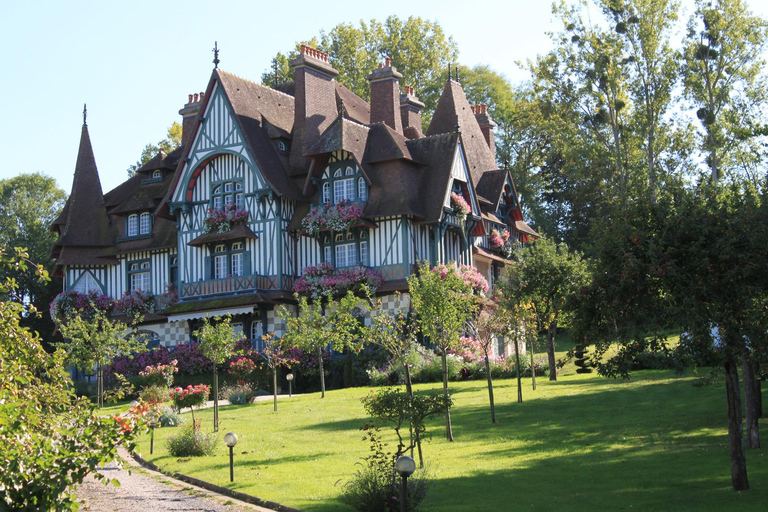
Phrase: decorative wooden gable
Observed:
(217, 133)
(460, 176)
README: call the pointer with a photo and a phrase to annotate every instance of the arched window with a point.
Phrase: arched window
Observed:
(157, 174)
(144, 224)
(133, 225)
(362, 189)
(139, 276)
(326, 193)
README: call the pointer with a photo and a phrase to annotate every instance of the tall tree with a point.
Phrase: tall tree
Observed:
(28, 205)
(725, 82)
(544, 275)
(166, 145)
(418, 48)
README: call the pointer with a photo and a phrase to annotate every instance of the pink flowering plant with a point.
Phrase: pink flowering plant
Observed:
(85, 305)
(472, 279)
(319, 280)
(460, 206)
(241, 369)
(191, 396)
(159, 374)
(136, 303)
(169, 298)
(499, 241)
(223, 220)
(337, 217)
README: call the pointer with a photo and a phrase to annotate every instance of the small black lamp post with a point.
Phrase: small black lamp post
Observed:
(230, 439)
(405, 466)
(289, 378)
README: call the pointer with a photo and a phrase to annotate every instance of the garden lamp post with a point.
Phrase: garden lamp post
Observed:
(405, 466)
(230, 439)
(289, 378)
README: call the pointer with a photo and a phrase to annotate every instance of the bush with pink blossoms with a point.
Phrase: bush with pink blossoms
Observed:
(473, 279)
(221, 221)
(136, 303)
(338, 217)
(319, 280)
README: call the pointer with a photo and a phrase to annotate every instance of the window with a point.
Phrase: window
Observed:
(362, 189)
(157, 174)
(217, 200)
(346, 255)
(220, 263)
(229, 192)
(256, 333)
(238, 328)
(327, 254)
(347, 250)
(237, 259)
(144, 223)
(363, 252)
(133, 225)
(326, 193)
(139, 276)
(239, 198)
(86, 284)
(343, 188)
(281, 146)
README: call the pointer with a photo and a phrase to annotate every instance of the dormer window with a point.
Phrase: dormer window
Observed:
(342, 181)
(282, 146)
(157, 174)
(133, 225)
(145, 221)
(362, 189)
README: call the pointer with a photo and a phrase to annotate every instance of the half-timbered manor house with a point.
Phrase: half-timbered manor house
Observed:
(271, 156)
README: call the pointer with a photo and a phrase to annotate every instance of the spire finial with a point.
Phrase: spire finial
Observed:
(85, 114)
(457, 74)
(216, 54)
(342, 110)
(449, 71)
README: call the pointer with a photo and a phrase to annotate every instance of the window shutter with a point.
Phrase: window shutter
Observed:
(207, 269)
(247, 263)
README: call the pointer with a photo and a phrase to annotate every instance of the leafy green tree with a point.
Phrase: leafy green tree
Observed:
(166, 145)
(29, 203)
(443, 302)
(51, 439)
(418, 48)
(324, 323)
(97, 340)
(544, 275)
(217, 341)
(275, 356)
(723, 77)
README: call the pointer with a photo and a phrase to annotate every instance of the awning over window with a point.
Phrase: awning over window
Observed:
(210, 313)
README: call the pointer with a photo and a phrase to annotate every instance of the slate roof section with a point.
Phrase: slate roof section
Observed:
(491, 185)
(439, 151)
(238, 232)
(453, 106)
(85, 202)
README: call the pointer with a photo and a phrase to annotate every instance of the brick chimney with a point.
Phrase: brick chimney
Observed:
(486, 125)
(189, 113)
(410, 113)
(315, 102)
(385, 95)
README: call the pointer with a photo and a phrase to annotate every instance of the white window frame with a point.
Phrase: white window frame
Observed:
(86, 283)
(346, 255)
(145, 223)
(133, 225)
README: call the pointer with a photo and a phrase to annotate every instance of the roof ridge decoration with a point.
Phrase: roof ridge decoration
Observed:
(216, 55)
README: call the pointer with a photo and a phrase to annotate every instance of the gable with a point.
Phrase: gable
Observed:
(460, 172)
(217, 133)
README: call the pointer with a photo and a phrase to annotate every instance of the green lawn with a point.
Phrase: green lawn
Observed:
(584, 442)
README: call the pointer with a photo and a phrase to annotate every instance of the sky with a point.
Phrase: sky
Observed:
(135, 63)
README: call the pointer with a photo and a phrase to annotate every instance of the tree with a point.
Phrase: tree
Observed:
(51, 439)
(217, 342)
(419, 49)
(324, 323)
(443, 300)
(544, 275)
(97, 340)
(723, 78)
(166, 145)
(29, 203)
(274, 356)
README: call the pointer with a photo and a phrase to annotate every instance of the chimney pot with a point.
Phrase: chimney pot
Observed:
(190, 99)
(386, 62)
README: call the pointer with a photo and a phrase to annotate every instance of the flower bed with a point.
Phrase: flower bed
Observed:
(321, 279)
(67, 304)
(221, 221)
(338, 217)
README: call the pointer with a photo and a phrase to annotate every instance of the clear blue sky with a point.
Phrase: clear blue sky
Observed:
(134, 63)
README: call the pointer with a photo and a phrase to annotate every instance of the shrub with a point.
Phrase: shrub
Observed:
(159, 374)
(154, 394)
(72, 303)
(170, 418)
(190, 442)
(237, 395)
(241, 369)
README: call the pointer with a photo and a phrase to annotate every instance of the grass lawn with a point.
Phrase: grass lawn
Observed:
(584, 442)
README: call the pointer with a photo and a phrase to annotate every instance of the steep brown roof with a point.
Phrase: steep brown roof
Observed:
(384, 143)
(439, 151)
(453, 106)
(255, 106)
(357, 109)
(85, 202)
(491, 185)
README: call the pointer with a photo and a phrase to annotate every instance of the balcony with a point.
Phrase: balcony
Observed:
(226, 286)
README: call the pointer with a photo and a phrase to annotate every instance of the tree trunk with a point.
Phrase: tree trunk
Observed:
(551, 350)
(274, 385)
(739, 479)
(322, 372)
(415, 436)
(533, 370)
(760, 397)
(215, 399)
(517, 367)
(100, 384)
(751, 392)
(490, 388)
(448, 429)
